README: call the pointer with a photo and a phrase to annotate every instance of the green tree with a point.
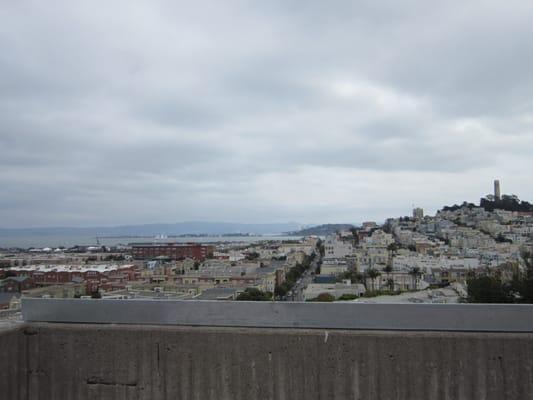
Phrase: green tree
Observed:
(487, 289)
(527, 292)
(415, 273)
(321, 248)
(393, 247)
(502, 239)
(388, 271)
(325, 298)
(280, 291)
(373, 274)
(253, 294)
(491, 288)
(523, 283)
(348, 297)
(353, 276)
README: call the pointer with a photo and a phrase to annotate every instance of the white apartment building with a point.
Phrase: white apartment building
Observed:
(404, 236)
(426, 263)
(334, 247)
(401, 280)
(372, 257)
(308, 248)
(491, 226)
(379, 238)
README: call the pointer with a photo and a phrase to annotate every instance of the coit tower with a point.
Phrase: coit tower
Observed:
(497, 194)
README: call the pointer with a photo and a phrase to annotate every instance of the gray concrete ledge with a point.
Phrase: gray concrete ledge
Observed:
(48, 361)
(425, 317)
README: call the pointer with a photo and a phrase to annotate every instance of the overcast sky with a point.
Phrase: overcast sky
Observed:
(121, 112)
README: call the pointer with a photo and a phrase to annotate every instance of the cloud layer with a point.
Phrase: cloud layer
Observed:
(164, 111)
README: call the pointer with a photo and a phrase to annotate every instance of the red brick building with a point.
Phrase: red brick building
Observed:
(174, 251)
(58, 274)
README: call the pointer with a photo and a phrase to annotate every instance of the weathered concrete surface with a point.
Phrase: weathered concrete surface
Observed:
(77, 361)
(267, 314)
(13, 361)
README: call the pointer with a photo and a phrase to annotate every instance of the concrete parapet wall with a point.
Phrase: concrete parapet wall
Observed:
(79, 361)
(259, 314)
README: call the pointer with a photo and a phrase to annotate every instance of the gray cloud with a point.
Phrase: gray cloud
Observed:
(255, 112)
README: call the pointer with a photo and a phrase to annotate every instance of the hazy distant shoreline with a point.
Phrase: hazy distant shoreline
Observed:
(202, 232)
(54, 241)
(175, 229)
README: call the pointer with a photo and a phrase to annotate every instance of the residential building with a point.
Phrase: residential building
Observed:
(334, 247)
(418, 213)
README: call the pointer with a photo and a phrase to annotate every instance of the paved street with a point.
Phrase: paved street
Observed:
(301, 284)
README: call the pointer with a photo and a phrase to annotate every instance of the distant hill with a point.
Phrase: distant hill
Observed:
(321, 230)
(181, 228)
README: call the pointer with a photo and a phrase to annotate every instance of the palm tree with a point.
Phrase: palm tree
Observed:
(388, 270)
(373, 274)
(415, 273)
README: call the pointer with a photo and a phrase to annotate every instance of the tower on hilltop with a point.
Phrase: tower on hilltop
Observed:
(497, 193)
